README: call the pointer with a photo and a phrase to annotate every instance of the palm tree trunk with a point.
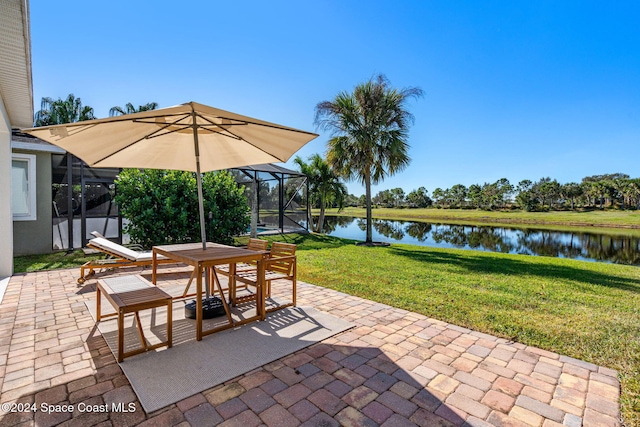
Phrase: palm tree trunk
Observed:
(367, 186)
(309, 216)
(320, 224)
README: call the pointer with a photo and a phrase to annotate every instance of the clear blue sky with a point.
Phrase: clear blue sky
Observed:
(514, 89)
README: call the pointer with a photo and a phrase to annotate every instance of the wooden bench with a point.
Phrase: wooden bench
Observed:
(130, 294)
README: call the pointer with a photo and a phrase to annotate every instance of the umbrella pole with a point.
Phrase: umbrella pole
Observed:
(203, 233)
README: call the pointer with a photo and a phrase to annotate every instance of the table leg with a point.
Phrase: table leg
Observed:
(212, 288)
(120, 335)
(98, 303)
(169, 323)
(199, 304)
(227, 310)
(260, 302)
(154, 264)
(232, 284)
(295, 282)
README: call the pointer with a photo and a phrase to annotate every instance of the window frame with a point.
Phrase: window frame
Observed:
(31, 187)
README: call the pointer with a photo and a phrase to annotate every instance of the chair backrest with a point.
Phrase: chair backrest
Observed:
(112, 248)
(257, 244)
(279, 250)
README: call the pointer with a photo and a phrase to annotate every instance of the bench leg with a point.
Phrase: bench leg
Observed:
(81, 279)
(143, 340)
(295, 283)
(120, 336)
(98, 303)
(169, 323)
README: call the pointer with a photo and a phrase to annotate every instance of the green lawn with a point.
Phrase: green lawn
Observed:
(29, 263)
(586, 310)
(596, 218)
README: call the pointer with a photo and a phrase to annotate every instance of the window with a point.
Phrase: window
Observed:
(23, 187)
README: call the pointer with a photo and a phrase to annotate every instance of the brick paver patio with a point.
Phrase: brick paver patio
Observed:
(395, 368)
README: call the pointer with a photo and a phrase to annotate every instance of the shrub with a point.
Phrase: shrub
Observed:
(162, 206)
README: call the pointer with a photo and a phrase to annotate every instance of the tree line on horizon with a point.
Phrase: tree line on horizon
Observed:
(615, 190)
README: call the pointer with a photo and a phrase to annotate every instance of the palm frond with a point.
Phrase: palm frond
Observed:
(129, 108)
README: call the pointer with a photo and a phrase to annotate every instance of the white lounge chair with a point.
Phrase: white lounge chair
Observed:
(120, 256)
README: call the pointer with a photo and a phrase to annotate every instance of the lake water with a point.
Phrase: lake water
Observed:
(564, 244)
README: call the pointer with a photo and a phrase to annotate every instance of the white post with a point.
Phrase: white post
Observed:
(6, 215)
(254, 205)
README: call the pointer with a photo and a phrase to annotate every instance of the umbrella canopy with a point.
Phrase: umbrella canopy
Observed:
(167, 139)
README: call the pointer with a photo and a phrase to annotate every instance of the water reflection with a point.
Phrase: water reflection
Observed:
(419, 230)
(565, 244)
(390, 229)
(483, 238)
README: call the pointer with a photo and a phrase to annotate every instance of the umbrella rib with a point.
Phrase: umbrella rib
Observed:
(227, 133)
(151, 135)
(169, 131)
(246, 122)
(183, 127)
(239, 138)
(221, 125)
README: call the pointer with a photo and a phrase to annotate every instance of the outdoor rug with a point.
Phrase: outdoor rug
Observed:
(166, 376)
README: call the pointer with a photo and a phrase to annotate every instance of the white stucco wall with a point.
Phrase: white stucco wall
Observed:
(6, 218)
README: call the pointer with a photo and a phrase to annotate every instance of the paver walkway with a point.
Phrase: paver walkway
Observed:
(395, 368)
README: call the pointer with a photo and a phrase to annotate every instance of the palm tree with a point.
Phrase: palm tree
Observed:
(623, 187)
(130, 109)
(634, 188)
(306, 169)
(60, 111)
(369, 130)
(590, 192)
(325, 187)
(55, 112)
(571, 191)
(600, 191)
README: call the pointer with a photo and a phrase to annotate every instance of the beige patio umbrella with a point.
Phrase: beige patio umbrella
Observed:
(191, 137)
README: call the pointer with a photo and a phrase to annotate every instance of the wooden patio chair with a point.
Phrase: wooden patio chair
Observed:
(281, 265)
(254, 245)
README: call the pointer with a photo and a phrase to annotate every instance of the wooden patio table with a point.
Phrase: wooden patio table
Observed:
(203, 260)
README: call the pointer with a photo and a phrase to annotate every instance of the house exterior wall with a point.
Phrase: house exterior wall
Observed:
(6, 216)
(35, 237)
